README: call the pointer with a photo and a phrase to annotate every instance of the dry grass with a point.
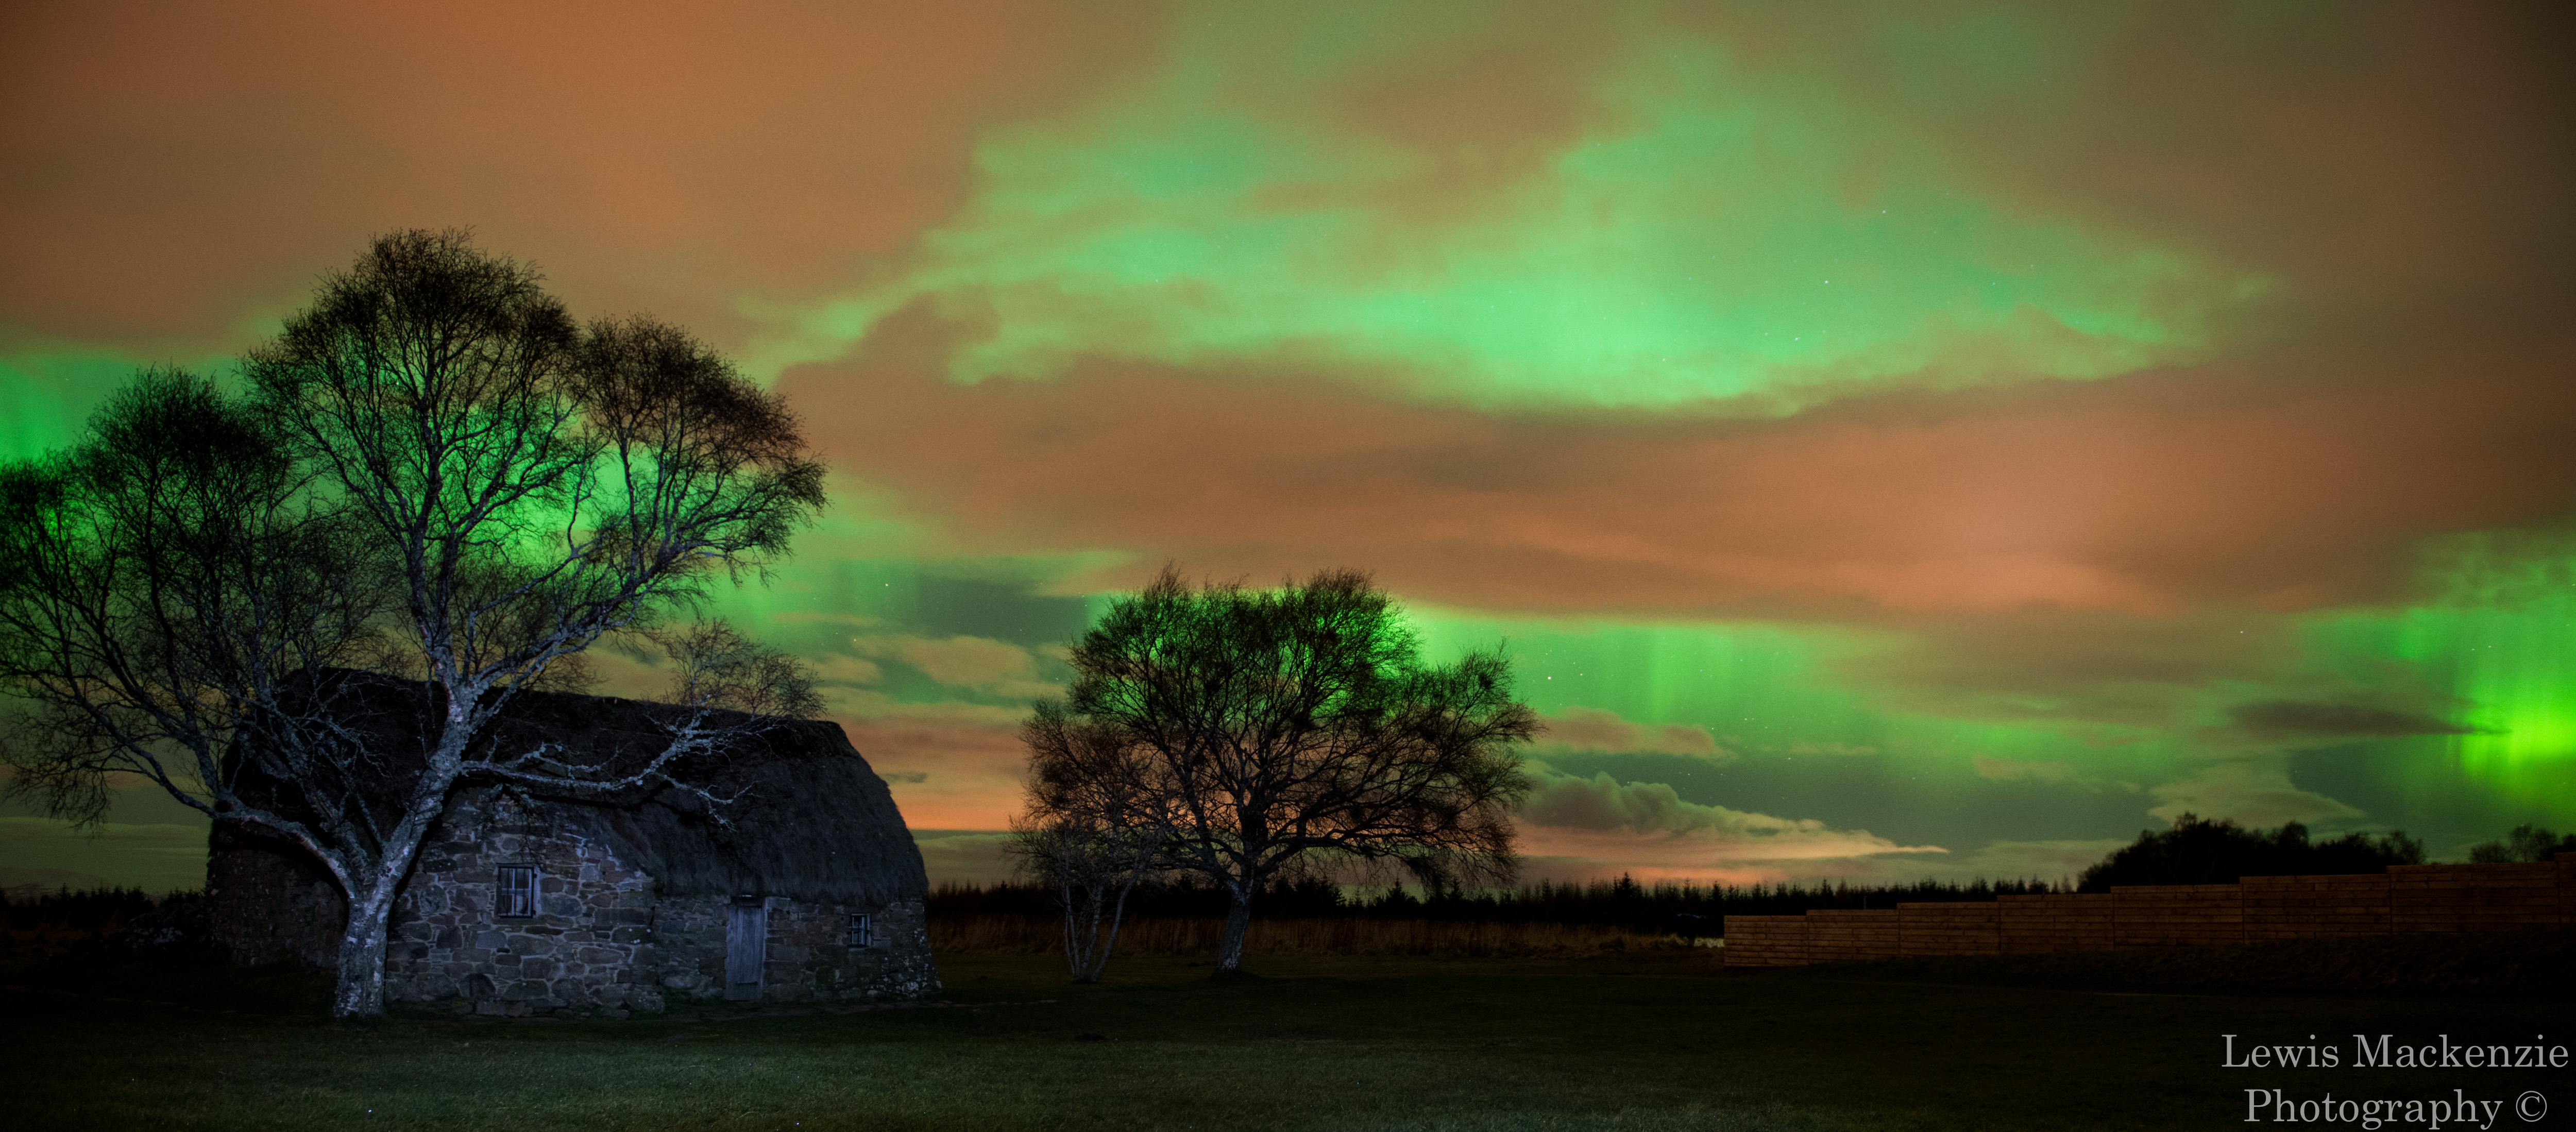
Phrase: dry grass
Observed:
(1034, 935)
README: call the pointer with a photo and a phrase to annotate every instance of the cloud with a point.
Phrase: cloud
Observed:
(2129, 502)
(203, 166)
(839, 669)
(1828, 750)
(2011, 770)
(2291, 719)
(979, 664)
(2036, 860)
(2255, 792)
(2272, 443)
(951, 765)
(815, 617)
(1643, 824)
(1591, 729)
(968, 662)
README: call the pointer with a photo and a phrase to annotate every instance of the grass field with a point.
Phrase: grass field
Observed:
(1635, 1039)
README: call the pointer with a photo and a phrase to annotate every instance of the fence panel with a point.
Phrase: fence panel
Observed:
(2059, 922)
(1766, 941)
(2303, 907)
(2404, 898)
(1845, 935)
(2177, 915)
(2473, 898)
(1950, 928)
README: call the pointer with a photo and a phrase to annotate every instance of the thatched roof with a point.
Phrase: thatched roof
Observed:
(809, 820)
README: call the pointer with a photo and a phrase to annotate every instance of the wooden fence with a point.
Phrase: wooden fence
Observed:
(2406, 898)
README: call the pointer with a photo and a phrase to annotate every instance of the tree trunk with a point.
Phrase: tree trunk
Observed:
(1117, 913)
(1238, 920)
(1082, 934)
(361, 989)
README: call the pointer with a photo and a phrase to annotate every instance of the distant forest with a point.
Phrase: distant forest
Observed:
(1661, 906)
(29, 907)
(2222, 852)
(2192, 852)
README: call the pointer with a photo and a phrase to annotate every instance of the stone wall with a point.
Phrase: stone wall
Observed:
(588, 947)
(601, 940)
(267, 900)
(808, 958)
(583, 950)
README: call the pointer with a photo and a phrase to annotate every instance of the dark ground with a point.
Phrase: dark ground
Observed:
(1635, 1040)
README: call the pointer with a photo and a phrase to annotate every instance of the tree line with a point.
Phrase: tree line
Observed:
(2531, 843)
(29, 907)
(2197, 851)
(1642, 906)
(2193, 851)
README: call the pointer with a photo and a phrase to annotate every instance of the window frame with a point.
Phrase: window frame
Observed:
(505, 896)
(863, 932)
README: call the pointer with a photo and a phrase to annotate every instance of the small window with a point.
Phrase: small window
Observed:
(862, 934)
(517, 893)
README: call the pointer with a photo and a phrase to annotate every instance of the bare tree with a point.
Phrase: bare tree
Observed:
(167, 587)
(1303, 719)
(1100, 813)
(716, 666)
(437, 475)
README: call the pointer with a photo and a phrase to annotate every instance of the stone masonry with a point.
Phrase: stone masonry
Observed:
(809, 957)
(300, 910)
(587, 947)
(601, 940)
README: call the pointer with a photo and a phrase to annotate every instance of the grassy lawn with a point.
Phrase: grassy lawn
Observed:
(1636, 1041)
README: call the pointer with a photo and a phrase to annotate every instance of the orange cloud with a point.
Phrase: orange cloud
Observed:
(839, 669)
(1648, 825)
(975, 663)
(190, 170)
(2147, 496)
(967, 758)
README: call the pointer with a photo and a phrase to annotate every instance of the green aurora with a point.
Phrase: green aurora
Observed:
(1520, 264)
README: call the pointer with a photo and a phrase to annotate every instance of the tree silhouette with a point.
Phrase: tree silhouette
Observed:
(1274, 723)
(1098, 819)
(2221, 852)
(2526, 843)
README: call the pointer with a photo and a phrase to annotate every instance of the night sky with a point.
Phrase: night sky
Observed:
(1892, 440)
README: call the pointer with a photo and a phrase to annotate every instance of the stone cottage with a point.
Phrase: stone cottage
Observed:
(808, 889)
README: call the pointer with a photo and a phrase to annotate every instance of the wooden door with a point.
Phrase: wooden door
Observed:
(746, 947)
